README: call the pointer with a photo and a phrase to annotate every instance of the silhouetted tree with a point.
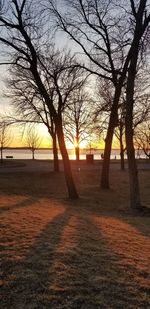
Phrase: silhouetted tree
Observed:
(88, 24)
(5, 138)
(29, 106)
(25, 34)
(119, 133)
(105, 94)
(106, 33)
(142, 137)
(33, 140)
(140, 112)
(142, 21)
(78, 119)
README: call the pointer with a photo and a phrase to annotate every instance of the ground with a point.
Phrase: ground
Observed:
(90, 253)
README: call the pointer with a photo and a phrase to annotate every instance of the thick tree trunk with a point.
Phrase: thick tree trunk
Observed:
(33, 150)
(107, 152)
(77, 152)
(121, 150)
(122, 159)
(1, 155)
(135, 202)
(72, 192)
(55, 154)
(113, 121)
(77, 148)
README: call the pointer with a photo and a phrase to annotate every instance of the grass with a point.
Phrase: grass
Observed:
(83, 254)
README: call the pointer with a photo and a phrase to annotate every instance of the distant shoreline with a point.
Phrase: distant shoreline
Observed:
(47, 153)
(69, 149)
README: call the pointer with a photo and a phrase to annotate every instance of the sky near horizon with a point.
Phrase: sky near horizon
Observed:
(17, 133)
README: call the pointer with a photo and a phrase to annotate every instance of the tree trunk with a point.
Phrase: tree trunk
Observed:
(121, 150)
(106, 160)
(72, 192)
(77, 148)
(113, 122)
(135, 202)
(77, 152)
(33, 150)
(1, 154)
(122, 159)
(55, 154)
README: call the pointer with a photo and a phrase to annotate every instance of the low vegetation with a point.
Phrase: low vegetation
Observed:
(90, 253)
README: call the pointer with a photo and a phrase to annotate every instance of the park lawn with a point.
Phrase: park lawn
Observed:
(90, 253)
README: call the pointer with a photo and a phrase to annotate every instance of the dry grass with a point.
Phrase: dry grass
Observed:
(85, 254)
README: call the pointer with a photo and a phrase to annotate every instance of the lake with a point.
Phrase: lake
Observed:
(46, 154)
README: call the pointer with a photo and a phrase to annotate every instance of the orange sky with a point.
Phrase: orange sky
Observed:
(18, 139)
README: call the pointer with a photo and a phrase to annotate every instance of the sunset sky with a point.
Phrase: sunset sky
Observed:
(18, 139)
(18, 134)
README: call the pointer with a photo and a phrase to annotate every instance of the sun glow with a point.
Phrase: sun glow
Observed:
(76, 144)
(19, 136)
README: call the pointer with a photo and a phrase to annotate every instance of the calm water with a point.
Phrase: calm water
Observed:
(45, 154)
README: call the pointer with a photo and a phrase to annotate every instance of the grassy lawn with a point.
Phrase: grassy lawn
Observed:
(90, 253)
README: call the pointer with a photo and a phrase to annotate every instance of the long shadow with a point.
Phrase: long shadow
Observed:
(25, 203)
(26, 283)
(93, 276)
(139, 220)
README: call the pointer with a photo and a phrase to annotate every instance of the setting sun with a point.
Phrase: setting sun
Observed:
(76, 144)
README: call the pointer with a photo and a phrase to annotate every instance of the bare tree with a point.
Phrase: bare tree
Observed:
(78, 119)
(102, 114)
(103, 39)
(140, 112)
(33, 140)
(29, 106)
(107, 40)
(142, 21)
(142, 137)
(5, 138)
(22, 22)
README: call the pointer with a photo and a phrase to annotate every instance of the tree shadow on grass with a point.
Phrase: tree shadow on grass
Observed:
(25, 282)
(95, 277)
(27, 201)
(138, 220)
(68, 266)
